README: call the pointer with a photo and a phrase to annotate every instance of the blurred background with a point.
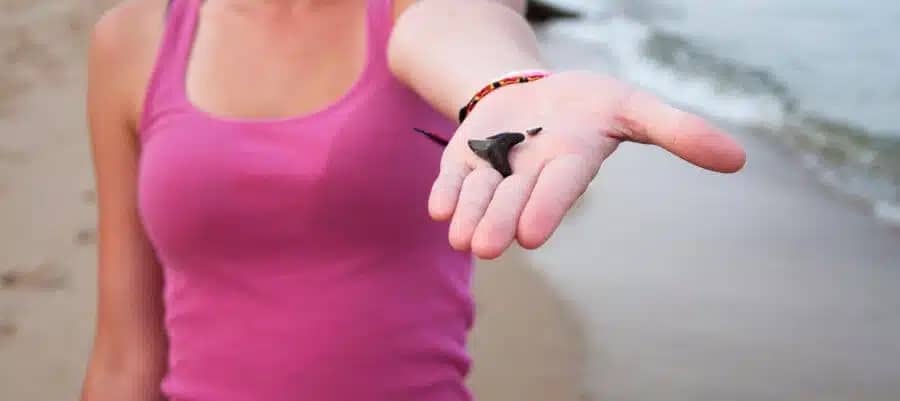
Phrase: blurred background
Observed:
(666, 282)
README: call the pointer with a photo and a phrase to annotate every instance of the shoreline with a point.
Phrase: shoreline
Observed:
(696, 286)
(850, 181)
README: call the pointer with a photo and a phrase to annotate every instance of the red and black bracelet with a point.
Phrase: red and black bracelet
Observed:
(516, 77)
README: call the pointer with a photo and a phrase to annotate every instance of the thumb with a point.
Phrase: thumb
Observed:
(644, 118)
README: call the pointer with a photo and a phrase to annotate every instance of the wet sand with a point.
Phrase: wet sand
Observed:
(760, 286)
(525, 344)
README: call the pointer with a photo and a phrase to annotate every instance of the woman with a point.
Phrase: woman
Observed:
(262, 193)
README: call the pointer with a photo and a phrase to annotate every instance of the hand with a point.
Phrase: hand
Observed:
(584, 117)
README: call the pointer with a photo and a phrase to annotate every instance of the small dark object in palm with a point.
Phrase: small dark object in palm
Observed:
(435, 138)
(495, 149)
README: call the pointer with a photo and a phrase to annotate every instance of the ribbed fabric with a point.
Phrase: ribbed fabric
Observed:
(300, 263)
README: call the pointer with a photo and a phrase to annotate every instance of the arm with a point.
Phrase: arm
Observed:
(127, 360)
(446, 50)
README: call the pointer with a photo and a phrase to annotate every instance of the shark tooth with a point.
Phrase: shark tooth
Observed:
(534, 131)
(495, 149)
(434, 137)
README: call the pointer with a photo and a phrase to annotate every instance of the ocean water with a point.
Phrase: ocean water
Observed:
(820, 76)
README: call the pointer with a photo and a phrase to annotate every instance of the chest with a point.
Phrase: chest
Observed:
(253, 67)
(345, 172)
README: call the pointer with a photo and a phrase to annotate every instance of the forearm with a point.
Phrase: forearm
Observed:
(132, 373)
(446, 50)
(113, 381)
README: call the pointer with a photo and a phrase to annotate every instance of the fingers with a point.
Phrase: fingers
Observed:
(474, 197)
(559, 185)
(643, 118)
(497, 228)
(492, 211)
(445, 191)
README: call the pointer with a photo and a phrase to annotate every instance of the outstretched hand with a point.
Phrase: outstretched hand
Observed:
(584, 117)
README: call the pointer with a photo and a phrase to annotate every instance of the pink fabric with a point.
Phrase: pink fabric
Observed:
(300, 263)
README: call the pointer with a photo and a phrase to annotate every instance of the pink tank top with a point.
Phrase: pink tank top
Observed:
(300, 263)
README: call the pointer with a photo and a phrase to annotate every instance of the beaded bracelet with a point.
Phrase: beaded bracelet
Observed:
(515, 77)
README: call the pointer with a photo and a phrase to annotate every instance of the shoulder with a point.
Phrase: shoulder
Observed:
(519, 5)
(128, 29)
(123, 48)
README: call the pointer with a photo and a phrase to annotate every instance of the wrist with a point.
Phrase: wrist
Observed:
(509, 78)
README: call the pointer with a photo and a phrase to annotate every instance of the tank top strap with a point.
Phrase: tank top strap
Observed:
(380, 23)
(165, 90)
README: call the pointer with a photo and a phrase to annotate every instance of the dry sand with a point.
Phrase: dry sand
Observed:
(526, 346)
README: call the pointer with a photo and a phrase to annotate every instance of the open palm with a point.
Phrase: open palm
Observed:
(584, 117)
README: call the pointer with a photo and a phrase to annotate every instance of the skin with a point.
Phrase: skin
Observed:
(585, 116)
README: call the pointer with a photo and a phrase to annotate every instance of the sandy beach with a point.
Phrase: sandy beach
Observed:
(668, 283)
(690, 285)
